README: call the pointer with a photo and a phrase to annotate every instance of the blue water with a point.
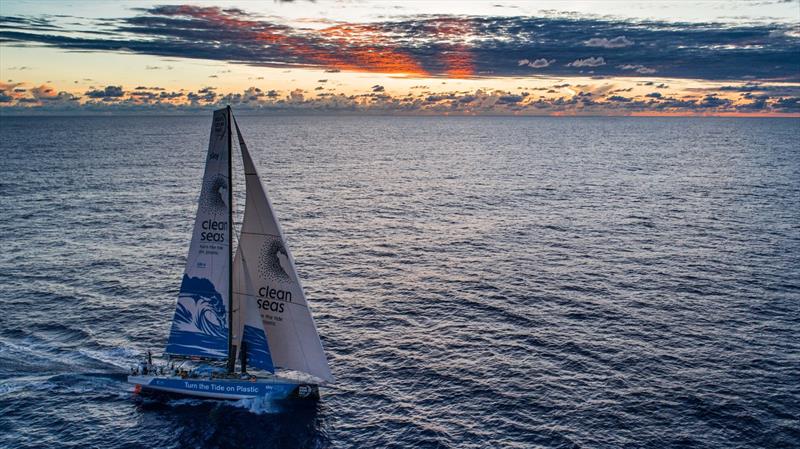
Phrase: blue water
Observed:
(477, 282)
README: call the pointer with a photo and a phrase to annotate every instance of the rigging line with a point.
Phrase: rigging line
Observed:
(231, 355)
(236, 306)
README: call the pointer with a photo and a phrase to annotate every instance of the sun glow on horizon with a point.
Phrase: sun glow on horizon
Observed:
(185, 57)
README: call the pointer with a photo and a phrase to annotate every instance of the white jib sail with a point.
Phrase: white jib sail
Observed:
(200, 324)
(268, 267)
(246, 317)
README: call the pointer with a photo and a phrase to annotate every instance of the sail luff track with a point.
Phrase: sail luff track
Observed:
(231, 348)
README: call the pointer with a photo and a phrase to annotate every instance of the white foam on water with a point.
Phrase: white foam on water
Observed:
(118, 357)
(24, 351)
(257, 405)
(187, 401)
(35, 383)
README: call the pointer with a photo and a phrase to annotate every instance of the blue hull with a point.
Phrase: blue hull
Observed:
(270, 389)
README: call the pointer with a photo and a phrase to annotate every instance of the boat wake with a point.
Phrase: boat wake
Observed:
(65, 384)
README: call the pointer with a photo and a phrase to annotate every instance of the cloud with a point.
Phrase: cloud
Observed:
(46, 94)
(712, 101)
(377, 88)
(638, 68)
(791, 104)
(773, 89)
(617, 42)
(296, 96)
(447, 46)
(536, 64)
(588, 62)
(591, 98)
(205, 95)
(107, 93)
(39, 96)
(169, 95)
(43, 92)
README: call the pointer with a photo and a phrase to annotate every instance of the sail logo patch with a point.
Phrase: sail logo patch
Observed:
(272, 260)
(214, 195)
(200, 325)
(200, 308)
(220, 125)
(213, 231)
(279, 296)
(303, 391)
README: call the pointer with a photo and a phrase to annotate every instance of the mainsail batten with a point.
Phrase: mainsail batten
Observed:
(200, 324)
(290, 331)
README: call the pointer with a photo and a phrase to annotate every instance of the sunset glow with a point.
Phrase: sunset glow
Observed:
(391, 60)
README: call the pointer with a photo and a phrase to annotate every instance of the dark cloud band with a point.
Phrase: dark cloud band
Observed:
(451, 46)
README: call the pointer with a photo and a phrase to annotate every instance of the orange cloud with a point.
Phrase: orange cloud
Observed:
(362, 48)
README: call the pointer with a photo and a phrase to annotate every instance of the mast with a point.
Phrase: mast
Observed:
(231, 348)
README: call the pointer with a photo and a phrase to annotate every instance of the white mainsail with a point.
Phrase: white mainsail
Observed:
(200, 325)
(265, 276)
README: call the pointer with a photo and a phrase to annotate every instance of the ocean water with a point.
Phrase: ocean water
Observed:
(477, 282)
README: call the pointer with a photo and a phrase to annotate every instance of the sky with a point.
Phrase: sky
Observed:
(727, 58)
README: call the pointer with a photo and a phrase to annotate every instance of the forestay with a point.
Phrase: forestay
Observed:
(200, 324)
(265, 277)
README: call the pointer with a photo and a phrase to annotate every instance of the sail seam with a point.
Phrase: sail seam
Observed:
(261, 233)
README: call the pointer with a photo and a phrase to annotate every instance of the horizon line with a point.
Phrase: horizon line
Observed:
(251, 113)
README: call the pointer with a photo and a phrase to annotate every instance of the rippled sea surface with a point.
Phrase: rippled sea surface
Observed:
(477, 282)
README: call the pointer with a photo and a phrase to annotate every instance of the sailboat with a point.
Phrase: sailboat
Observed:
(246, 305)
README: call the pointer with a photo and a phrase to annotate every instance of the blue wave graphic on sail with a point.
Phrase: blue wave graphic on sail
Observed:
(200, 325)
(258, 354)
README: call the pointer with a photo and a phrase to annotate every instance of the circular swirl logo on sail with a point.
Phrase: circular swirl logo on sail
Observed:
(214, 194)
(272, 260)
